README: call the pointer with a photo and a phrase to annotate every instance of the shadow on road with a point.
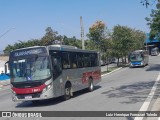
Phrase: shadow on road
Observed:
(133, 93)
(53, 101)
(154, 67)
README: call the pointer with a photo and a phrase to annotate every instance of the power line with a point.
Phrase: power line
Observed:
(6, 32)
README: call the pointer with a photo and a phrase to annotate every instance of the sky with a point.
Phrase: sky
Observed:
(22, 20)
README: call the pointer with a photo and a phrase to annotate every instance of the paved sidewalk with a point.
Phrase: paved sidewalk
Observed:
(4, 82)
(104, 68)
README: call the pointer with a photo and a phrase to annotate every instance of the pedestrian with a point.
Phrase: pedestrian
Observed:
(2, 73)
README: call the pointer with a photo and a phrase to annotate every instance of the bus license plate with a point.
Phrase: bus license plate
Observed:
(28, 97)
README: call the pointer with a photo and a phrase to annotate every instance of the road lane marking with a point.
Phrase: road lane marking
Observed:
(147, 102)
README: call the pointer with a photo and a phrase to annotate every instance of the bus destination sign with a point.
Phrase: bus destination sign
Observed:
(28, 52)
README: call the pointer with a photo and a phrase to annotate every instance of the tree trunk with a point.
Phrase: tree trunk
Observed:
(125, 59)
(118, 62)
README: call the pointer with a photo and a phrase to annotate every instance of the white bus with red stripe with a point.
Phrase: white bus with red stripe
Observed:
(41, 72)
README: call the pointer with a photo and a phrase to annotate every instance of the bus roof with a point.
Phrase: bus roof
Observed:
(67, 48)
(138, 51)
(57, 47)
(27, 48)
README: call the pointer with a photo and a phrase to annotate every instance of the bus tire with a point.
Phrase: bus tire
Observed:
(90, 85)
(67, 92)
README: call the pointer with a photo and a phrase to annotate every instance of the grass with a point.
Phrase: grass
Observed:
(110, 69)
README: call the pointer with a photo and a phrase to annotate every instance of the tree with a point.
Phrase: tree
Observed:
(150, 2)
(138, 38)
(49, 37)
(154, 23)
(125, 40)
(145, 3)
(72, 41)
(97, 34)
(158, 4)
(7, 49)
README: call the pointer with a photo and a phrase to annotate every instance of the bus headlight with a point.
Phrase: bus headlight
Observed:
(47, 87)
(142, 63)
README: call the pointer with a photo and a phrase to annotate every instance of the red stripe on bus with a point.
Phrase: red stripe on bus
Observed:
(28, 90)
(96, 75)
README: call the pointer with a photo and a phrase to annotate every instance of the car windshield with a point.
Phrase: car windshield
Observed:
(136, 57)
(30, 69)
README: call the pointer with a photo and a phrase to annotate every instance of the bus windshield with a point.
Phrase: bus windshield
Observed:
(30, 68)
(136, 57)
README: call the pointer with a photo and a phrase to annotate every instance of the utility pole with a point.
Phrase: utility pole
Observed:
(82, 33)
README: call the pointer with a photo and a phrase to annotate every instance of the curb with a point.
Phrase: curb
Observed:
(112, 71)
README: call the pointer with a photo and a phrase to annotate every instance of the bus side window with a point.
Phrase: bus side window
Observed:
(73, 60)
(94, 60)
(57, 68)
(86, 60)
(65, 60)
(80, 60)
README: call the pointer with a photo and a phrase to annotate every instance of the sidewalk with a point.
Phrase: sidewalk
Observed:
(4, 82)
(104, 68)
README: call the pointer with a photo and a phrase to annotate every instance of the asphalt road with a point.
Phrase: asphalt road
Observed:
(124, 90)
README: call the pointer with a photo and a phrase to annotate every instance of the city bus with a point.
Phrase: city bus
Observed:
(138, 58)
(43, 72)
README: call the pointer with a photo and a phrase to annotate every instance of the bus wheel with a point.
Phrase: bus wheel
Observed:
(67, 94)
(91, 86)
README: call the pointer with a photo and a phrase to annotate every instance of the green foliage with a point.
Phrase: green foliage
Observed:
(72, 41)
(21, 44)
(117, 44)
(125, 40)
(154, 23)
(122, 40)
(49, 37)
(97, 34)
(146, 3)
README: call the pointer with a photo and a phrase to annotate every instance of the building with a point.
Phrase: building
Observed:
(151, 43)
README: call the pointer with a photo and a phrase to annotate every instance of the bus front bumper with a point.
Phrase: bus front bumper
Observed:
(34, 96)
(134, 64)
